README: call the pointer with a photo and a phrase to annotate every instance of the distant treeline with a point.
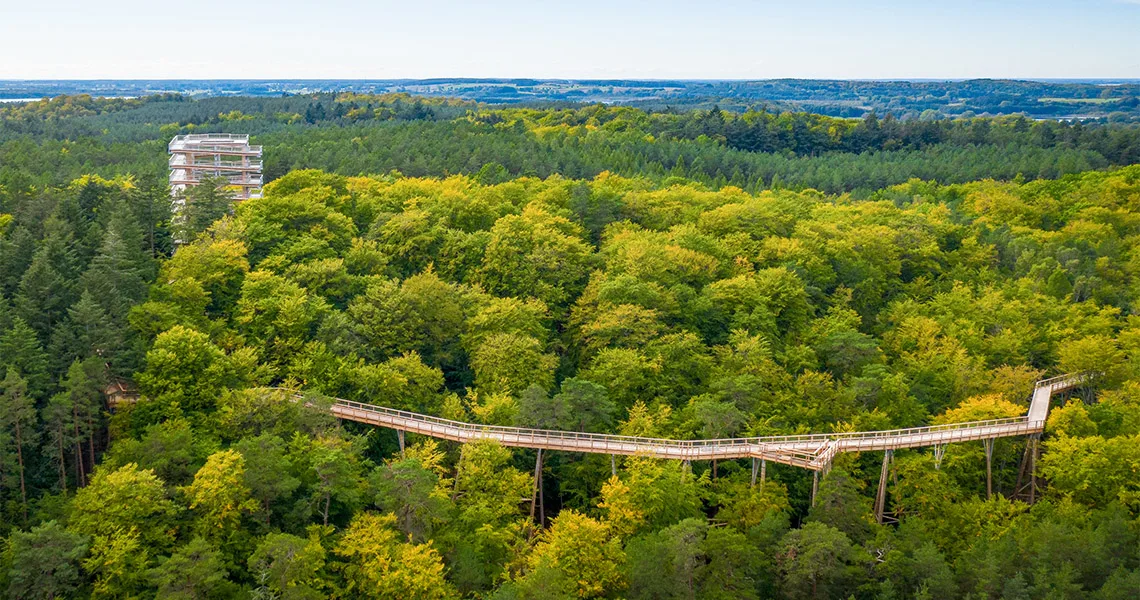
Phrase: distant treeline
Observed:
(905, 99)
(53, 142)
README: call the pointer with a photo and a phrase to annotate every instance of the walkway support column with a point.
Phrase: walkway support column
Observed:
(1028, 471)
(536, 495)
(814, 486)
(988, 445)
(881, 493)
(1033, 469)
(613, 465)
(400, 437)
(759, 466)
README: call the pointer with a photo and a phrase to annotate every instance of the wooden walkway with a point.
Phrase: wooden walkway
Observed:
(813, 452)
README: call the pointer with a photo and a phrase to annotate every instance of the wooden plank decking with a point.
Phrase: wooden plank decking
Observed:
(813, 452)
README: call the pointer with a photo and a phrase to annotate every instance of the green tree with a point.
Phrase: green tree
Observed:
(200, 205)
(410, 489)
(20, 348)
(840, 504)
(536, 408)
(588, 404)
(489, 518)
(18, 417)
(124, 499)
(44, 562)
(195, 570)
(289, 567)
(536, 255)
(267, 472)
(816, 561)
(170, 449)
(332, 470)
(185, 372)
(509, 363)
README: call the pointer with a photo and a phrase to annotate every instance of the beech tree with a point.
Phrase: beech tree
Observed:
(378, 565)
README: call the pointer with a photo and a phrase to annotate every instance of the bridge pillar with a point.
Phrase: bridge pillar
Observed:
(536, 495)
(939, 452)
(400, 437)
(1033, 442)
(988, 445)
(1028, 471)
(881, 493)
(814, 486)
(613, 465)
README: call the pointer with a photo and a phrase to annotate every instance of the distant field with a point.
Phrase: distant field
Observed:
(1079, 100)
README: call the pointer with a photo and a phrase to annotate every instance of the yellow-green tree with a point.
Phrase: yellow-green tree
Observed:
(219, 494)
(378, 565)
(121, 500)
(583, 551)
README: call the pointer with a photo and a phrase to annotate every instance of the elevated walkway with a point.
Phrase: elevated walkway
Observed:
(813, 452)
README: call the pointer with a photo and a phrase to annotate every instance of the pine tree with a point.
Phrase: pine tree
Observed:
(20, 348)
(202, 205)
(18, 416)
(16, 251)
(88, 332)
(44, 295)
(57, 420)
(118, 273)
(82, 385)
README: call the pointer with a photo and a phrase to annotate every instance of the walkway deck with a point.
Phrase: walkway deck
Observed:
(813, 452)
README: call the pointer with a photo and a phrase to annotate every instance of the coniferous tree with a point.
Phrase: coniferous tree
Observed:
(21, 349)
(18, 416)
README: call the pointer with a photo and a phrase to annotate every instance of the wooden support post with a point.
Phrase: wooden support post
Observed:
(613, 465)
(400, 437)
(939, 452)
(536, 495)
(1033, 469)
(881, 493)
(1028, 471)
(988, 444)
(763, 474)
(755, 468)
(814, 486)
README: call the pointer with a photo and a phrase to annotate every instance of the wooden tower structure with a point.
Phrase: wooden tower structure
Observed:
(229, 156)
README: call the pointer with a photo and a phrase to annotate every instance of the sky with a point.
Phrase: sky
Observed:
(658, 39)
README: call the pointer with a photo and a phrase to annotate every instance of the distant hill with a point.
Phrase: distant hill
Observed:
(1052, 99)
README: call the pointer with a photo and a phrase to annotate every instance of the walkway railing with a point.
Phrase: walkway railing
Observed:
(811, 451)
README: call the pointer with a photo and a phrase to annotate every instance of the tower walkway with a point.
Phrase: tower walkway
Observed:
(814, 451)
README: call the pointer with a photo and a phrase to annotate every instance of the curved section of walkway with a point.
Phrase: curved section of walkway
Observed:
(808, 451)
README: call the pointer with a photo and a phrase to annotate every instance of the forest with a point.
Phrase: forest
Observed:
(53, 142)
(1048, 99)
(586, 269)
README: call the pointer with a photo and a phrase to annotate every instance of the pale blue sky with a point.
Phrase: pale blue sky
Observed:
(81, 39)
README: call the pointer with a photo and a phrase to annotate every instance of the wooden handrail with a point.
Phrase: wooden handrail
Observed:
(812, 451)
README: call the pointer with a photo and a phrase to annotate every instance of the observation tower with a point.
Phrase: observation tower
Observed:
(197, 156)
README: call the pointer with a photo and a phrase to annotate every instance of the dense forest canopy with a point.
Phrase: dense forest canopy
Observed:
(487, 265)
(55, 141)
